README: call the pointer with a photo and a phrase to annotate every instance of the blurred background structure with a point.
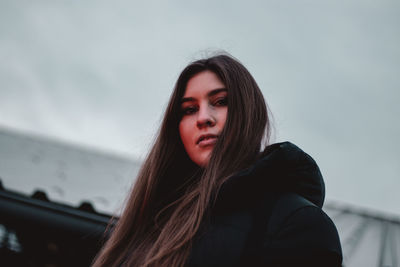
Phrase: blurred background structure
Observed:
(52, 213)
(83, 86)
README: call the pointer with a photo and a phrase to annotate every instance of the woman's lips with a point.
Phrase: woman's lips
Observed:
(208, 141)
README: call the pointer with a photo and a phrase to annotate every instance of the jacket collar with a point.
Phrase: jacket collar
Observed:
(282, 167)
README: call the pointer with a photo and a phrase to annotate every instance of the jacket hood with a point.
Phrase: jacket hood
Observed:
(282, 167)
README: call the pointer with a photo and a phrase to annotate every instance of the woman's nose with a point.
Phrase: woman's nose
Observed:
(205, 118)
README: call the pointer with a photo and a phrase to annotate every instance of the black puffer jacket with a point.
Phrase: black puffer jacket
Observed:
(270, 215)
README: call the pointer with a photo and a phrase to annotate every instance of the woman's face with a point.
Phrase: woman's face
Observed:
(204, 108)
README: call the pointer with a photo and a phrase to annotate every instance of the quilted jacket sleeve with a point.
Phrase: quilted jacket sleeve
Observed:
(307, 237)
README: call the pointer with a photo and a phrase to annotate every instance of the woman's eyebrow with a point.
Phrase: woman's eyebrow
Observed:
(187, 99)
(216, 91)
(211, 93)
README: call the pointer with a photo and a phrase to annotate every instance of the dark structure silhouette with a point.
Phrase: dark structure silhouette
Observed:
(37, 232)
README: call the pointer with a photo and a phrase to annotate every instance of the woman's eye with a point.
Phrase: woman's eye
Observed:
(223, 101)
(188, 110)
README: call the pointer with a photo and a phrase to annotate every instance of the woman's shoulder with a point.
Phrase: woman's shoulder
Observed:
(282, 167)
(298, 231)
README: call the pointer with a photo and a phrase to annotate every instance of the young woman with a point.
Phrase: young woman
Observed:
(210, 193)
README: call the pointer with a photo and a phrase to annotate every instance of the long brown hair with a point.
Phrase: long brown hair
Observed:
(172, 195)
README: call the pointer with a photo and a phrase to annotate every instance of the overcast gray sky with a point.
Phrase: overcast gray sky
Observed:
(99, 74)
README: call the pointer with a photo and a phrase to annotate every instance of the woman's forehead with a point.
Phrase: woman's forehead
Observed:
(205, 83)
